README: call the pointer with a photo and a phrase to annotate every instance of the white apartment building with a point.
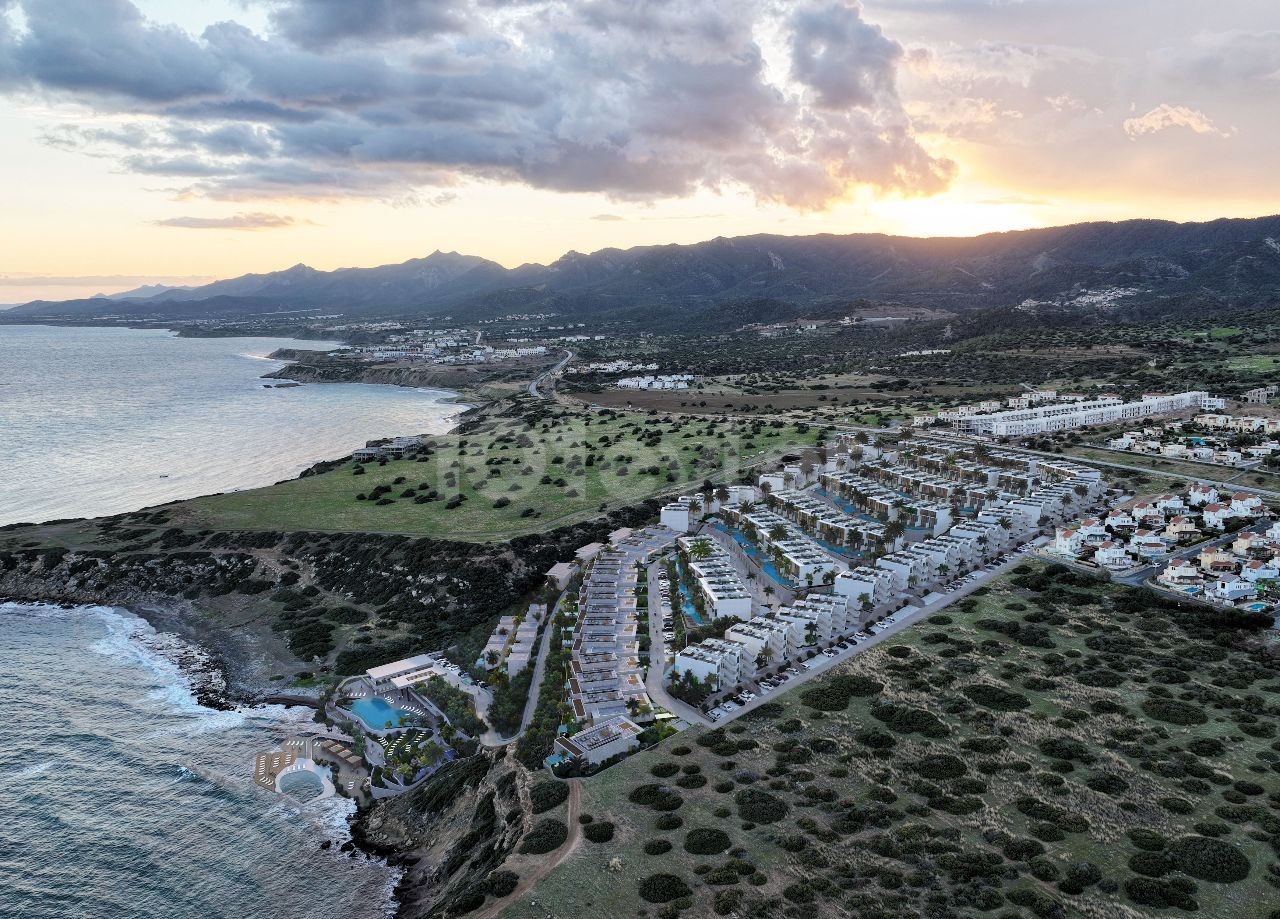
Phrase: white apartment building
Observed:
(1064, 416)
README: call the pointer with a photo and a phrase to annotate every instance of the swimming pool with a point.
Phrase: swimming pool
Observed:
(375, 713)
(1258, 607)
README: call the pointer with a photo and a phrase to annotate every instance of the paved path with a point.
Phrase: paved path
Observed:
(658, 653)
(549, 863)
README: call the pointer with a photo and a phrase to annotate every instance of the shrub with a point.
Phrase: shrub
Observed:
(834, 694)
(1067, 748)
(546, 836)
(1147, 839)
(996, 698)
(1159, 894)
(659, 797)
(1151, 864)
(907, 720)
(664, 770)
(756, 806)
(1172, 711)
(663, 888)
(598, 831)
(669, 822)
(706, 842)
(939, 766)
(547, 794)
(657, 847)
(1107, 784)
(1209, 859)
(502, 882)
(1022, 850)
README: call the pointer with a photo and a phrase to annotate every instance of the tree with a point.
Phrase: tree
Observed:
(943, 568)
(777, 532)
(700, 549)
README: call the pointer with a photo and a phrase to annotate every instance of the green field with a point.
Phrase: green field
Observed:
(546, 468)
(1253, 478)
(1053, 748)
(1258, 363)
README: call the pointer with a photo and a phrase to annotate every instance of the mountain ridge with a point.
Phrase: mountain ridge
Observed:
(1091, 266)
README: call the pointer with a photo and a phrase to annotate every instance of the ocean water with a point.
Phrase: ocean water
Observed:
(122, 797)
(98, 421)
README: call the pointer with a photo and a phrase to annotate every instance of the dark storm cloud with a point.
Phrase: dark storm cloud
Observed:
(635, 99)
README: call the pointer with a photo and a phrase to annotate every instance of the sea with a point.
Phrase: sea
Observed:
(97, 421)
(121, 795)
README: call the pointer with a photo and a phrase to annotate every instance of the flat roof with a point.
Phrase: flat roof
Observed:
(395, 668)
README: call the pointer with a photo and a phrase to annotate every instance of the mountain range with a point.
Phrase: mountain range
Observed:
(1129, 268)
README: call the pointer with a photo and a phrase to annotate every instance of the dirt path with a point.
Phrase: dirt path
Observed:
(549, 864)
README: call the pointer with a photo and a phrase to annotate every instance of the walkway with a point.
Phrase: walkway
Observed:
(658, 654)
(547, 864)
(491, 737)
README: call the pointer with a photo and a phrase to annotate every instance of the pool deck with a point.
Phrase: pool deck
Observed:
(314, 754)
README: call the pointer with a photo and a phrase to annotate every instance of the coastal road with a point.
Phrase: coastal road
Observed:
(546, 376)
(546, 865)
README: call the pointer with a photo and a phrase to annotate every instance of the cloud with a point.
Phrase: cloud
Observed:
(108, 280)
(255, 221)
(1165, 116)
(637, 99)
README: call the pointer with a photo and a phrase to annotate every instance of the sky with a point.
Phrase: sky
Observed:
(179, 141)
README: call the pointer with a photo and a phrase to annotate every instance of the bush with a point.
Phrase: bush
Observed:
(756, 806)
(706, 842)
(546, 836)
(663, 888)
(598, 831)
(1107, 784)
(547, 794)
(834, 694)
(1067, 748)
(1147, 839)
(907, 720)
(1159, 894)
(1171, 711)
(996, 698)
(940, 766)
(657, 847)
(1151, 864)
(659, 797)
(502, 882)
(664, 770)
(1209, 859)
(669, 822)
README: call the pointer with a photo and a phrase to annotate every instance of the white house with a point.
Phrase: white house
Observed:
(1180, 573)
(601, 741)
(678, 517)
(1232, 588)
(1216, 515)
(1112, 555)
(1200, 495)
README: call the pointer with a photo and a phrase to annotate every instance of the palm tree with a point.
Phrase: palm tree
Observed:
(894, 529)
(700, 549)
(777, 532)
(943, 568)
(722, 494)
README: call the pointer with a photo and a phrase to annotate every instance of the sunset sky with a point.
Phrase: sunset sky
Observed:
(186, 140)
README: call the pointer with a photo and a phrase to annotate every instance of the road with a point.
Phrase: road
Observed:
(1144, 470)
(863, 645)
(1136, 577)
(547, 375)
(658, 653)
(491, 737)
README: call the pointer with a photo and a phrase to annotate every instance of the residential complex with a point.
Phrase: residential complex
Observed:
(1049, 416)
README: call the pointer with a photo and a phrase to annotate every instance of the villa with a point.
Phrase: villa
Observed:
(600, 742)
